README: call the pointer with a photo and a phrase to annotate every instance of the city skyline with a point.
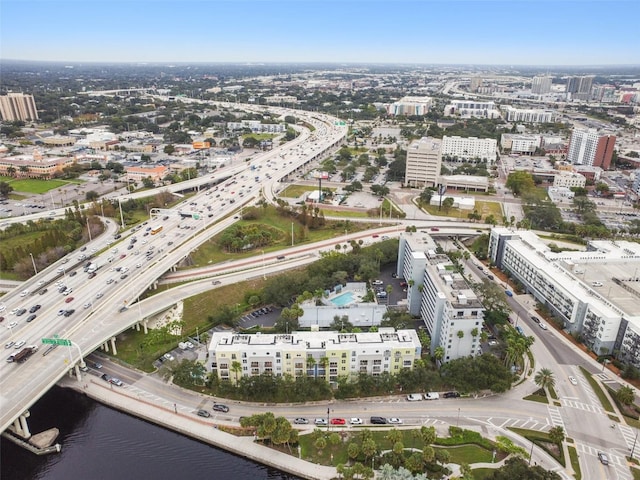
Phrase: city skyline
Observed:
(479, 32)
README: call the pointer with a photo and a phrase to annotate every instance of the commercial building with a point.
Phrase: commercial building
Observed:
(569, 179)
(469, 148)
(136, 174)
(424, 159)
(18, 106)
(330, 355)
(410, 106)
(34, 166)
(528, 115)
(594, 293)
(541, 85)
(588, 147)
(470, 108)
(281, 99)
(451, 312)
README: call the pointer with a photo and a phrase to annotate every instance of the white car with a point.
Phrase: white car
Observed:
(24, 293)
(13, 324)
(377, 282)
(87, 305)
(138, 265)
(99, 295)
(168, 356)
(40, 283)
(2, 308)
(19, 344)
(355, 421)
(394, 421)
(543, 325)
(189, 344)
(573, 380)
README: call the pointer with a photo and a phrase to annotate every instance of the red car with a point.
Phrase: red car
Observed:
(375, 235)
(68, 299)
(338, 421)
(123, 255)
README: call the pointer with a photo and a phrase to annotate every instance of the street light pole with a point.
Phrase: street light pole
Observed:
(458, 419)
(633, 449)
(264, 275)
(34, 263)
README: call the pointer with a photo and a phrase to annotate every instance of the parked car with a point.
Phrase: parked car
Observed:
(338, 421)
(320, 421)
(394, 421)
(451, 395)
(432, 396)
(355, 421)
(378, 420)
(218, 407)
(300, 421)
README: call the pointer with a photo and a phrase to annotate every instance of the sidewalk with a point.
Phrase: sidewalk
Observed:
(199, 428)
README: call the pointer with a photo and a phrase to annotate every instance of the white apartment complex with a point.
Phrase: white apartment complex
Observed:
(450, 310)
(281, 99)
(329, 355)
(529, 115)
(18, 106)
(595, 293)
(472, 108)
(424, 159)
(467, 148)
(410, 106)
(256, 126)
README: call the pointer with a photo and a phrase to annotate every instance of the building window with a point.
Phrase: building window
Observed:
(233, 356)
(344, 354)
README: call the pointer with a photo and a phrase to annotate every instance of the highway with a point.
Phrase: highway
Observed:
(101, 304)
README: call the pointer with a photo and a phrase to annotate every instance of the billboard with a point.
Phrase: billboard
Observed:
(201, 145)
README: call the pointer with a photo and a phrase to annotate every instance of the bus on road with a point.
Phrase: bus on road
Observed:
(156, 230)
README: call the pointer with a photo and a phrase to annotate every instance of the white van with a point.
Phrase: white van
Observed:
(431, 396)
(414, 397)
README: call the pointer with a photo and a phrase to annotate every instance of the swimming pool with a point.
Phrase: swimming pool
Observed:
(344, 299)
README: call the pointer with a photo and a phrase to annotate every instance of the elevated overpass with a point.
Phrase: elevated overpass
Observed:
(106, 316)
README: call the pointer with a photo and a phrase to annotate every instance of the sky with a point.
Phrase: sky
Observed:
(514, 32)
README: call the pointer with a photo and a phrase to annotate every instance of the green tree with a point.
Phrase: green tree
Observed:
(236, 367)
(625, 395)
(447, 204)
(556, 434)
(91, 196)
(544, 378)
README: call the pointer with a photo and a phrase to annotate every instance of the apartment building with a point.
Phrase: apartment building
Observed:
(424, 159)
(579, 88)
(541, 85)
(450, 310)
(520, 143)
(471, 108)
(18, 106)
(588, 147)
(528, 115)
(35, 165)
(281, 99)
(469, 148)
(410, 105)
(594, 293)
(475, 83)
(256, 126)
(330, 355)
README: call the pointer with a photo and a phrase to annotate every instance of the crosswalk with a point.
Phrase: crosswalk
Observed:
(556, 417)
(582, 406)
(616, 461)
(630, 437)
(527, 424)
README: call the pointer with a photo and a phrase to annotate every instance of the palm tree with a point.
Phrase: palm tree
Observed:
(625, 395)
(556, 435)
(236, 367)
(311, 363)
(439, 353)
(544, 378)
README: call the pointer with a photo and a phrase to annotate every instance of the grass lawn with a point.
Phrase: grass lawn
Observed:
(606, 404)
(542, 440)
(36, 186)
(259, 136)
(482, 473)
(209, 252)
(575, 463)
(537, 398)
(295, 191)
(483, 208)
(469, 454)
(636, 473)
(329, 212)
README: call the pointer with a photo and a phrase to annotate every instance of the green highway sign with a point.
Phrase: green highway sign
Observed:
(57, 341)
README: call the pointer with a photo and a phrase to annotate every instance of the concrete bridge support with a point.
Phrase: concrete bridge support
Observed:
(76, 368)
(105, 346)
(145, 326)
(113, 345)
(21, 426)
(137, 327)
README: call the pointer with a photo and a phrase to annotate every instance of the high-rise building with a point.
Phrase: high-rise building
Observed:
(588, 147)
(410, 106)
(18, 106)
(541, 85)
(475, 83)
(424, 158)
(452, 313)
(579, 88)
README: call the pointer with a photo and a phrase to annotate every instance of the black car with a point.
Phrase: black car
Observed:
(22, 311)
(451, 395)
(34, 309)
(43, 291)
(535, 319)
(31, 317)
(73, 274)
(68, 313)
(105, 377)
(378, 420)
(218, 407)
